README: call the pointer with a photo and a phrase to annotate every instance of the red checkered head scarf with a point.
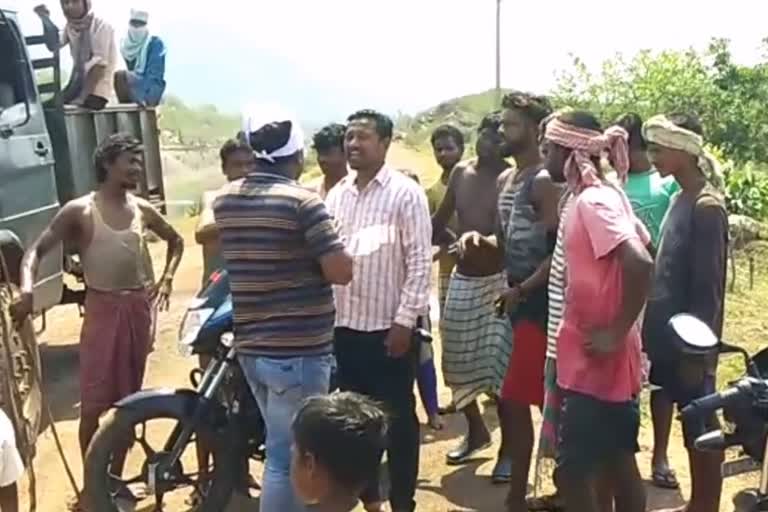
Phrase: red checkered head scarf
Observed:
(580, 170)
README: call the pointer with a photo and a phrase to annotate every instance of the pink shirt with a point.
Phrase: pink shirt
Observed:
(387, 229)
(599, 220)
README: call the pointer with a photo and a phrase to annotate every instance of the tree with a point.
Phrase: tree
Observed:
(730, 100)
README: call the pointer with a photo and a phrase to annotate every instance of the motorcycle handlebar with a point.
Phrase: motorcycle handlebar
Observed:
(707, 405)
(711, 403)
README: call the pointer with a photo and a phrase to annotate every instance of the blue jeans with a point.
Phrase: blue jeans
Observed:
(280, 386)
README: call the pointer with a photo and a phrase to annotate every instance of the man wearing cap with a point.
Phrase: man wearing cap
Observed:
(144, 80)
(283, 254)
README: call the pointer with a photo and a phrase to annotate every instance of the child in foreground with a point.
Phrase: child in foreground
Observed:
(339, 440)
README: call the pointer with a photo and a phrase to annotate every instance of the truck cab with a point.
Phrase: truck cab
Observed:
(28, 189)
(46, 159)
(46, 152)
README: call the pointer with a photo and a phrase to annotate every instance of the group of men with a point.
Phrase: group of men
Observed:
(95, 79)
(556, 266)
(551, 303)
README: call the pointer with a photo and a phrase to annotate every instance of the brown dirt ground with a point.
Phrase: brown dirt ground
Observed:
(441, 488)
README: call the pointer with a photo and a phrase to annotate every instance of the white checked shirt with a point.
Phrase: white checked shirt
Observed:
(387, 229)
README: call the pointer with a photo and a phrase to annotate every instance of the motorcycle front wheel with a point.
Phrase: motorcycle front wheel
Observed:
(120, 427)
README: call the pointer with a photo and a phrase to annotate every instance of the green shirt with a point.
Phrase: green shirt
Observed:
(650, 195)
(435, 195)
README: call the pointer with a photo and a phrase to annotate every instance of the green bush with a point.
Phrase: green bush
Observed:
(746, 190)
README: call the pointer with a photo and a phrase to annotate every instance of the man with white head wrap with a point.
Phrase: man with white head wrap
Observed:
(144, 54)
(689, 278)
(283, 253)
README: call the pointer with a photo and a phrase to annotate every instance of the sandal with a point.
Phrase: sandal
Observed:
(665, 479)
(551, 503)
(464, 452)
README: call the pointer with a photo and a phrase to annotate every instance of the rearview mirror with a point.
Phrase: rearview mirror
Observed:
(692, 335)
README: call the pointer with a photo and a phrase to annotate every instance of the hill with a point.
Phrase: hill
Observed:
(464, 112)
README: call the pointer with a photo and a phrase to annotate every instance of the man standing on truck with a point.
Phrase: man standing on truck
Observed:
(94, 55)
(107, 227)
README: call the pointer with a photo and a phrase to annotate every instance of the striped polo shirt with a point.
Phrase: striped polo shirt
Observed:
(272, 234)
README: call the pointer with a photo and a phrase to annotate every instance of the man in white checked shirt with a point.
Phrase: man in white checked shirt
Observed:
(385, 224)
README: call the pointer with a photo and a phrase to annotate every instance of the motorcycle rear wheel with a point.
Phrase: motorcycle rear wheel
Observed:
(118, 424)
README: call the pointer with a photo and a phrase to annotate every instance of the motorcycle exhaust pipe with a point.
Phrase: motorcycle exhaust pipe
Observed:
(715, 441)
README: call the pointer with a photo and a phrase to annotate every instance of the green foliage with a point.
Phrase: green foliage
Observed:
(731, 100)
(747, 191)
(204, 125)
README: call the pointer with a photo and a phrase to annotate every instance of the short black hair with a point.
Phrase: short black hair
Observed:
(448, 131)
(535, 108)
(633, 125)
(346, 433)
(581, 119)
(110, 149)
(329, 137)
(270, 138)
(384, 125)
(491, 122)
(231, 147)
(689, 122)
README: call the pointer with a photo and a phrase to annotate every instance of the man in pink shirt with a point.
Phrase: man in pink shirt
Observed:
(598, 347)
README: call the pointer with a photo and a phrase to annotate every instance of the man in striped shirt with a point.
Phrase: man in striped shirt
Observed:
(385, 224)
(282, 253)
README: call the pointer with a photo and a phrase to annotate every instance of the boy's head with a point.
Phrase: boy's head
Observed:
(338, 443)
(236, 159)
(674, 142)
(329, 145)
(448, 146)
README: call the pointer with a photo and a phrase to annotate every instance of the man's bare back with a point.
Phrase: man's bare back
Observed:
(475, 192)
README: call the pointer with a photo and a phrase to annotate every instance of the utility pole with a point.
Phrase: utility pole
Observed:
(498, 53)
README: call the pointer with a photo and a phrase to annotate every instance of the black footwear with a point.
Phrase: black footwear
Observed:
(464, 452)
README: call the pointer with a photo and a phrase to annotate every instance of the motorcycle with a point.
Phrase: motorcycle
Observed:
(744, 406)
(219, 417)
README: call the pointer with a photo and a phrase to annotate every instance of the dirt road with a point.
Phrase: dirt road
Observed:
(441, 488)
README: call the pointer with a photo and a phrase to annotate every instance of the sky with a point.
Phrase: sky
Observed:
(326, 58)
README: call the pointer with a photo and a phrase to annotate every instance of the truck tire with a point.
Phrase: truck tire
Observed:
(117, 424)
(21, 394)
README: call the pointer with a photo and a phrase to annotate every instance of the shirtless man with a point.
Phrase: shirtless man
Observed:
(476, 341)
(107, 228)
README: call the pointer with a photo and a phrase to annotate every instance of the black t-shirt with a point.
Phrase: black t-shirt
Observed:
(690, 270)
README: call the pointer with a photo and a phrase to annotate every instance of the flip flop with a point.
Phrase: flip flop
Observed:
(464, 453)
(551, 503)
(665, 479)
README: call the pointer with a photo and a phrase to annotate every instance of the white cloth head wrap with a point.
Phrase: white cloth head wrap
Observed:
(139, 15)
(256, 116)
(660, 130)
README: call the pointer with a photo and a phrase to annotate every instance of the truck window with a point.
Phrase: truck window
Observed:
(15, 76)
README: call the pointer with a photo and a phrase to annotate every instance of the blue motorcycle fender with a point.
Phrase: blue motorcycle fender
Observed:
(177, 402)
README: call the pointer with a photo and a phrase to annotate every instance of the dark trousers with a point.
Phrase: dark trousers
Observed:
(364, 367)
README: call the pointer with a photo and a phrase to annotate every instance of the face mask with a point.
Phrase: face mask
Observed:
(137, 33)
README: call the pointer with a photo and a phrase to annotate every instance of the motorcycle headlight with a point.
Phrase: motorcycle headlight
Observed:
(228, 339)
(193, 321)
